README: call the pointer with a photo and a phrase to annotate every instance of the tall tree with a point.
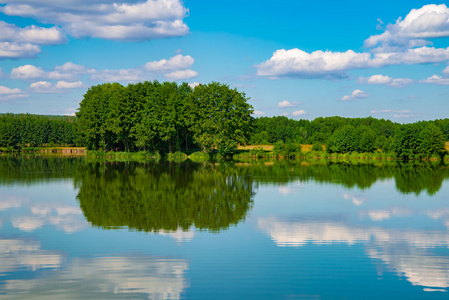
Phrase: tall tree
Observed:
(221, 117)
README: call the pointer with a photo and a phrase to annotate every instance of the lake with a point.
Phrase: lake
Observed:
(78, 229)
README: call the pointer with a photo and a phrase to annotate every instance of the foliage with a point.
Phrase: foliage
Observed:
(164, 116)
(317, 146)
(220, 117)
(20, 130)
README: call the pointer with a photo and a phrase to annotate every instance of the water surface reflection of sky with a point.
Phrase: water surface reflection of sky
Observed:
(297, 237)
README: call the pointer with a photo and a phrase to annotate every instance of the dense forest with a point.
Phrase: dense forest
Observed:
(168, 117)
(19, 130)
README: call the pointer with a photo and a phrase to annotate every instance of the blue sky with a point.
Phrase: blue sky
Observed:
(302, 59)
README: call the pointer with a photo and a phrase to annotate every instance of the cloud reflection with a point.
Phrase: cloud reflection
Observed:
(106, 278)
(407, 252)
(21, 254)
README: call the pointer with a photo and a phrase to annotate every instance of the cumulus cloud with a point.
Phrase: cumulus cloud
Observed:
(435, 79)
(298, 63)
(27, 72)
(181, 74)
(7, 93)
(286, 104)
(178, 62)
(16, 50)
(297, 113)
(385, 80)
(430, 21)
(69, 74)
(405, 42)
(125, 21)
(331, 65)
(174, 68)
(355, 95)
(59, 87)
(31, 34)
(69, 85)
(17, 42)
(127, 75)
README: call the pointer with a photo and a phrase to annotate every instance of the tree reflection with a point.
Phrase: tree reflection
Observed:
(163, 196)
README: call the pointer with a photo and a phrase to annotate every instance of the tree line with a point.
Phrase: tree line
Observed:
(168, 117)
(20, 130)
(345, 135)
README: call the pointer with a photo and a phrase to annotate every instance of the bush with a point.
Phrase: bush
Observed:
(317, 146)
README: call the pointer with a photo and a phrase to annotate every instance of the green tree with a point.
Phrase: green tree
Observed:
(431, 140)
(220, 116)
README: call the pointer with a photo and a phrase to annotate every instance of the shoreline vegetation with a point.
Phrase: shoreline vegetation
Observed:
(153, 120)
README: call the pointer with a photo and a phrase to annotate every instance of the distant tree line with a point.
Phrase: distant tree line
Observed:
(20, 130)
(343, 135)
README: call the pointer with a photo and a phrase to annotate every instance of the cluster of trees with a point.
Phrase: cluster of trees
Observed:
(35, 130)
(163, 116)
(343, 135)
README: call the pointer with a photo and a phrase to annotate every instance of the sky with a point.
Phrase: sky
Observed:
(300, 59)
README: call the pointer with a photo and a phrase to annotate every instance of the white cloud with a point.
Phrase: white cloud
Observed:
(126, 21)
(435, 79)
(27, 72)
(7, 93)
(258, 113)
(178, 62)
(127, 75)
(299, 113)
(385, 80)
(174, 68)
(16, 42)
(285, 104)
(69, 85)
(69, 74)
(17, 50)
(430, 21)
(41, 87)
(355, 95)
(328, 64)
(297, 63)
(31, 34)
(59, 87)
(446, 70)
(181, 74)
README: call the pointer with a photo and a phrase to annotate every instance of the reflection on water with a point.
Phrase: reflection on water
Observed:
(159, 198)
(405, 251)
(235, 230)
(19, 254)
(100, 278)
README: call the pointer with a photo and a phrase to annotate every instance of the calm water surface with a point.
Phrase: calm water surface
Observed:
(74, 229)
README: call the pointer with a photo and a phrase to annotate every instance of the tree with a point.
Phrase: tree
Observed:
(406, 142)
(220, 116)
(431, 140)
